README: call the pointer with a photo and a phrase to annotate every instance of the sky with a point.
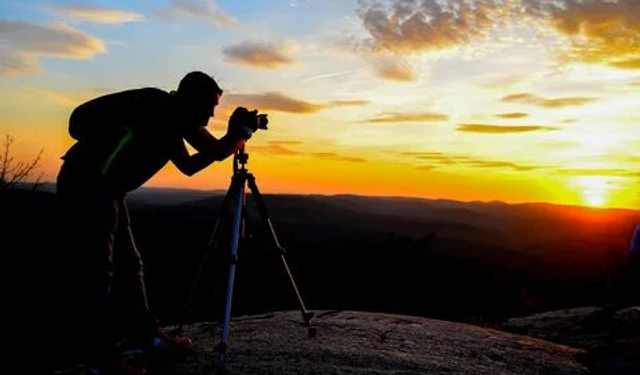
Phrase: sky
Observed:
(488, 100)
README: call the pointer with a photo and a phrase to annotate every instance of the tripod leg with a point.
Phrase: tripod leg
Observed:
(264, 213)
(211, 247)
(237, 193)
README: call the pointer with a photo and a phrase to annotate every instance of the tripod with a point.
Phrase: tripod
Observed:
(232, 213)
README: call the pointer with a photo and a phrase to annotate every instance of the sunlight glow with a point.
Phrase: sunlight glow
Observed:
(595, 189)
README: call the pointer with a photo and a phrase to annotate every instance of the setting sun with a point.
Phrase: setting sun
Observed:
(594, 189)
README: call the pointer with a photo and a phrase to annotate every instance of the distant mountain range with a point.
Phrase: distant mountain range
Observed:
(463, 261)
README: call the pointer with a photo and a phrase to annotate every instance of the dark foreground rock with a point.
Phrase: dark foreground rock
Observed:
(369, 343)
(609, 335)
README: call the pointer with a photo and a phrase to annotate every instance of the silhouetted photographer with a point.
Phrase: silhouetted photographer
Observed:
(123, 139)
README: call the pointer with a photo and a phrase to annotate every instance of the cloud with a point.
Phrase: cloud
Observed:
(408, 26)
(500, 129)
(394, 70)
(600, 30)
(274, 148)
(439, 160)
(526, 98)
(286, 143)
(409, 117)
(349, 102)
(15, 63)
(598, 172)
(512, 115)
(202, 10)
(97, 14)
(23, 43)
(261, 55)
(626, 64)
(334, 156)
(274, 101)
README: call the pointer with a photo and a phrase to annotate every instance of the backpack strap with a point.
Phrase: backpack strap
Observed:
(126, 137)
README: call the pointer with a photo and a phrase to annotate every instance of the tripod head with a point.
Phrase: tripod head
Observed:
(240, 160)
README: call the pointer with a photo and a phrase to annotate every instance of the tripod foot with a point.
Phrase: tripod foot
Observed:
(307, 316)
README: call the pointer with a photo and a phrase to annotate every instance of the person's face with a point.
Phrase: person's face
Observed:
(216, 101)
(198, 114)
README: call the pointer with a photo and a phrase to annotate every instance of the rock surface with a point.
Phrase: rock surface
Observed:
(350, 342)
(609, 335)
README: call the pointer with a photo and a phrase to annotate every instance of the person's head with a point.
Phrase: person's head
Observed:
(198, 94)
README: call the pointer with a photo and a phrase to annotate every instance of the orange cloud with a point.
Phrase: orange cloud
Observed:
(438, 160)
(500, 129)
(598, 172)
(527, 98)
(275, 148)
(513, 115)
(395, 70)
(601, 30)
(260, 55)
(282, 148)
(24, 43)
(99, 14)
(626, 64)
(407, 26)
(334, 156)
(410, 117)
(272, 102)
(349, 102)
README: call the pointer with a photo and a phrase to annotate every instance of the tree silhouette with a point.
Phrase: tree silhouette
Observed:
(15, 174)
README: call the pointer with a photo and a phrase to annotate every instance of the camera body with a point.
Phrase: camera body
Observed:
(251, 119)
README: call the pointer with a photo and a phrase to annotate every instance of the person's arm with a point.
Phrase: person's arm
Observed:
(209, 149)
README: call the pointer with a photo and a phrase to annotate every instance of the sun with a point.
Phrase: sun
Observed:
(595, 189)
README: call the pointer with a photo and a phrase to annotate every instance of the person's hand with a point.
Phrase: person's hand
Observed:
(240, 123)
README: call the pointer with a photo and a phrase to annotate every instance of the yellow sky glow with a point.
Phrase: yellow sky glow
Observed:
(515, 111)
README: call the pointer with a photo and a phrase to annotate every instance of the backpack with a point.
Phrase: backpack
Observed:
(107, 116)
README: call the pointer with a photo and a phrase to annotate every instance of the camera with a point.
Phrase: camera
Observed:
(242, 117)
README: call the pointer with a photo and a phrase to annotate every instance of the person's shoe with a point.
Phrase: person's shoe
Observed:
(164, 340)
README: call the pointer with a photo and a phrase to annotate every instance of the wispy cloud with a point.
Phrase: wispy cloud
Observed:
(330, 75)
(98, 14)
(260, 55)
(539, 101)
(409, 117)
(501, 129)
(512, 115)
(203, 10)
(335, 156)
(626, 64)
(287, 148)
(273, 101)
(24, 43)
(286, 143)
(598, 172)
(440, 160)
(349, 103)
(394, 70)
(276, 148)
